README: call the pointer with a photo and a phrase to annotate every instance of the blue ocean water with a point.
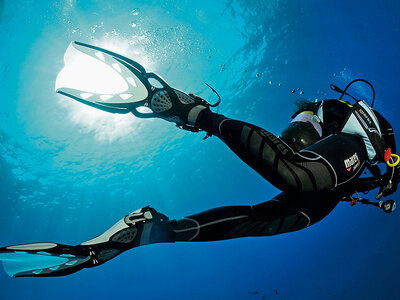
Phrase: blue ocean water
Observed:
(70, 172)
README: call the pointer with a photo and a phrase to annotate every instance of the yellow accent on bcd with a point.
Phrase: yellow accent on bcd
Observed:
(396, 161)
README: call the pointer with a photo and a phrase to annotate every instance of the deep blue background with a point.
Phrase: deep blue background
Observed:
(69, 172)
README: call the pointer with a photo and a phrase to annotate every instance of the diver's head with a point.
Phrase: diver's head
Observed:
(304, 130)
(300, 135)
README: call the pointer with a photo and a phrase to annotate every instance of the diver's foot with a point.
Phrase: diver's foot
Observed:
(141, 227)
(143, 215)
(125, 231)
(177, 107)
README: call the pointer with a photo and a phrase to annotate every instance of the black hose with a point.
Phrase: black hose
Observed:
(343, 92)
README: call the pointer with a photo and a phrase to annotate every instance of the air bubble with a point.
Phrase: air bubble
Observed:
(135, 12)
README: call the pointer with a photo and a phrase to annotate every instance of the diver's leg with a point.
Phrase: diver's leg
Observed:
(142, 227)
(285, 213)
(323, 166)
(269, 218)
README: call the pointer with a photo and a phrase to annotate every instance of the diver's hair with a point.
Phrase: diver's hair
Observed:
(304, 104)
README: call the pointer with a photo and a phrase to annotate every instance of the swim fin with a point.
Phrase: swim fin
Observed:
(142, 227)
(161, 101)
(43, 259)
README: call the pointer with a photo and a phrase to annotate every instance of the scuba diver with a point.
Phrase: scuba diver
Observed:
(316, 162)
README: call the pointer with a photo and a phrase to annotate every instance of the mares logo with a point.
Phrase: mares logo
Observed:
(352, 162)
(365, 116)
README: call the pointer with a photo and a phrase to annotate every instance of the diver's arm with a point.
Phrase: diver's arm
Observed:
(387, 183)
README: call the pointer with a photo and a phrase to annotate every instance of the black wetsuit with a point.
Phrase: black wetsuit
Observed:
(313, 180)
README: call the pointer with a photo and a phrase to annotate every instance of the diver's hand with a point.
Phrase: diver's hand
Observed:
(366, 184)
(390, 184)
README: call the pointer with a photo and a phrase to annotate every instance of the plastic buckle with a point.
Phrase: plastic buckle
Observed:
(388, 154)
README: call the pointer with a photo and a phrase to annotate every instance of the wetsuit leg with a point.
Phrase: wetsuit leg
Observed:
(323, 166)
(284, 213)
(146, 226)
